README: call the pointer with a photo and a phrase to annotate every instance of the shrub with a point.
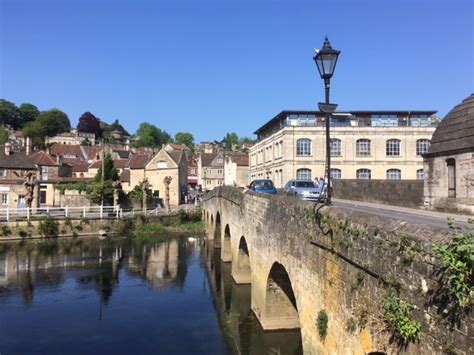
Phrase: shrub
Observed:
(322, 324)
(151, 231)
(6, 231)
(48, 227)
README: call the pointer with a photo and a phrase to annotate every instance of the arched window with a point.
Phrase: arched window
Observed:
(394, 174)
(303, 174)
(364, 174)
(363, 147)
(303, 147)
(422, 146)
(420, 174)
(451, 163)
(393, 147)
(335, 173)
(335, 147)
(161, 164)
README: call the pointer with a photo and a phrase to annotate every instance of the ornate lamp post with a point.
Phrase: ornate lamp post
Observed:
(326, 59)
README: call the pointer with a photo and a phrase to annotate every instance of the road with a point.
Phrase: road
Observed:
(431, 218)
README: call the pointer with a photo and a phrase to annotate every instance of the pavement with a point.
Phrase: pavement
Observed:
(432, 218)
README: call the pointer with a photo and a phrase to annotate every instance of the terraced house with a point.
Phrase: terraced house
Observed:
(364, 145)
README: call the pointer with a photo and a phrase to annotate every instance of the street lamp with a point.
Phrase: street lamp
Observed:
(326, 59)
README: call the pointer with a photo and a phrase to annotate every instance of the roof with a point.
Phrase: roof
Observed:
(455, 133)
(16, 160)
(179, 146)
(139, 161)
(122, 154)
(284, 113)
(42, 158)
(118, 163)
(61, 149)
(207, 158)
(175, 155)
(125, 175)
(240, 159)
(80, 167)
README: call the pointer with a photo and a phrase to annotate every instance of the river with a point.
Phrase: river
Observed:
(123, 296)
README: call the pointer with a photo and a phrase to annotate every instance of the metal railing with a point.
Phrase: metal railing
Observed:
(89, 212)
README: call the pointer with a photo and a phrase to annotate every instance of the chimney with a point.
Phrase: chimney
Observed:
(8, 147)
(28, 145)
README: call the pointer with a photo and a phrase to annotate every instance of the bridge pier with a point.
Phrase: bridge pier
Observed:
(241, 271)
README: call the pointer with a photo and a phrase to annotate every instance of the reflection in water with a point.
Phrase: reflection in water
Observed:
(242, 330)
(123, 296)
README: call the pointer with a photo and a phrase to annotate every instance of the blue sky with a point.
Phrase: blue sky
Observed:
(211, 67)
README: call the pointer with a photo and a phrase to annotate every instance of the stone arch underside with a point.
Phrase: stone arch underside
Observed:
(226, 255)
(241, 270)
(217, 231)
(280, 311)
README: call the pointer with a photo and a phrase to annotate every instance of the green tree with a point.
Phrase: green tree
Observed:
(103, 190)
(151, 136)
(48, 123)
(107, 129)
(3, 135)
(28, 113)
(231, 139)
(185, 138)
(9, 114)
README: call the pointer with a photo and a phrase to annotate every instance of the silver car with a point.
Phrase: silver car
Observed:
(303, 189)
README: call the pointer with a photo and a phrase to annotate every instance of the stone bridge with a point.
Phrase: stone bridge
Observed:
(301, 263)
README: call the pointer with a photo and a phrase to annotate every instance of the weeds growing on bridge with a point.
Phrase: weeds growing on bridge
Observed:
(457, 274)
(398, 314)
(322, 324)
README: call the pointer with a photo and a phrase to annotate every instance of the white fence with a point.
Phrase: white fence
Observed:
(90, 212)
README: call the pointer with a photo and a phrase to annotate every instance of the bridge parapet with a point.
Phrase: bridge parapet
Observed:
(301, 261)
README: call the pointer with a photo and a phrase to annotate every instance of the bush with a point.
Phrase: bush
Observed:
(151, 231)
(6, 231)
(48, 227)
(322, 324)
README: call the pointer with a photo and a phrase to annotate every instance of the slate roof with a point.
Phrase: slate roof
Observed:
(118, 163)
(207, 158)
(455, 133)
(125, 176)
(80, 167)
(16, 160)
(123, 154)
(138, 161)
(175, 155)
(240, 159)
(179, 146)
(42, 158)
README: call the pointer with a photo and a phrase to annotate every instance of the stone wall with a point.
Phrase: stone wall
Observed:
(406, 193)
(344, 263)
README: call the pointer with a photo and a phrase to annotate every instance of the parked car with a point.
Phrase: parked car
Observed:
(264, 186)
(303, 189)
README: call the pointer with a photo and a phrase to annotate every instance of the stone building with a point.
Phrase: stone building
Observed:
(73, 137)
(364, 145)
(449, 163)
(236, 170)
(210, 170)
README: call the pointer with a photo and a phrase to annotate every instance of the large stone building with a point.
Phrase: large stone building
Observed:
(364, 145)
(236, 170)
(449, 163)
(210, 170)
(73, 137)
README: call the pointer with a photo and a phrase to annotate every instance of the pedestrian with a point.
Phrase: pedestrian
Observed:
(321, 184)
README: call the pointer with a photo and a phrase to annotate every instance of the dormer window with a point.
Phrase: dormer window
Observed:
(3, 173)
(162, 164)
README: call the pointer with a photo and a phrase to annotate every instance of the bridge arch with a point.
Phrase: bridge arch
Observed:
(241, 270)
(217, 231)
(281, 311)
(226, 255)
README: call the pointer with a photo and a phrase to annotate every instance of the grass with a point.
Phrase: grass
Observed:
(157, 231)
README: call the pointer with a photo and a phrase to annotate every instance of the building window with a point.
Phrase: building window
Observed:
(451, 163)
(4, 199)
(420, 121)
(422, 146)
(384, 121)
(303, 147)
(364, 174)
(3, 173)
(394, 174)
(161, 164)
(393, 147)
(420, 174)
(363, 147)
(303, 174)
(335, 145)
(336, 173)
(44, 169)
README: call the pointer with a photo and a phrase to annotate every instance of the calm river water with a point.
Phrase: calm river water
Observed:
(90, 296)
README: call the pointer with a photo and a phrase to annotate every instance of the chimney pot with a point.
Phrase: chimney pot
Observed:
(28, 145)
(8, 147)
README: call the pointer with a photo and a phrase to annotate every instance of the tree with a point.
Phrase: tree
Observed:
(3, 135)
(28, 113)
(231, 139)
(243, 140)
(184, 138)
(103, 190)
(90, 124)
(151, 136)
(47, 124)
(9, 114)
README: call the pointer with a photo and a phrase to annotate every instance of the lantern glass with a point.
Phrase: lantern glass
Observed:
(326, 60)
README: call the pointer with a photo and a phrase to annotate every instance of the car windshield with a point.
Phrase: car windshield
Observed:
(263, 185)
(304, 184)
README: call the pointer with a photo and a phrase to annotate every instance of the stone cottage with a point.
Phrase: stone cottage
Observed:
(449, 163)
